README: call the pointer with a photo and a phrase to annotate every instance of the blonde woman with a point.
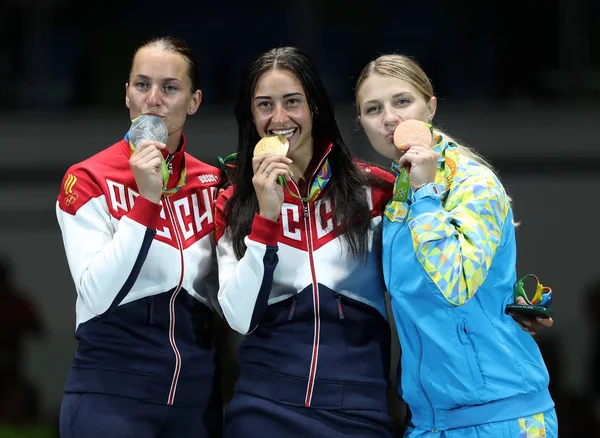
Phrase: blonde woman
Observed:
(449, 253)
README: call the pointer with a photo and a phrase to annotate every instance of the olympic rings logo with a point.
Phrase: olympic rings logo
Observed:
(70, 200)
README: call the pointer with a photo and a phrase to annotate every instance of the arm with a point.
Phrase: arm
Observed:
(104, 264)
(456, 245)
(245, 284)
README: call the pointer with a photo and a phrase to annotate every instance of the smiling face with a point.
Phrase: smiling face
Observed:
(280, 106)
(159, 84)
(384, 102)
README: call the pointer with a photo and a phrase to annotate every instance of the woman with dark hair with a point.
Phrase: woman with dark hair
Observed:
(137, 225)
(299, 253)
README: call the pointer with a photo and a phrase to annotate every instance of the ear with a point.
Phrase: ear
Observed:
(127, 97)
(358, 124)
(195, 102)
(431, 108)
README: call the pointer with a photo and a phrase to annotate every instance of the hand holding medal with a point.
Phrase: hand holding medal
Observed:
(146, 137)
(271, 168)
(414, 138)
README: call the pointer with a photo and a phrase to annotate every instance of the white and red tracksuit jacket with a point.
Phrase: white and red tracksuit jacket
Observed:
(141, 271)
(315, 319)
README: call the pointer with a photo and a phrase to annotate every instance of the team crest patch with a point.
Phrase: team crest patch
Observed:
(70, 195)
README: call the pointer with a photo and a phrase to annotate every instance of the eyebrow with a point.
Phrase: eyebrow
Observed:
(284, 96)
(395, 96)
(164, 79)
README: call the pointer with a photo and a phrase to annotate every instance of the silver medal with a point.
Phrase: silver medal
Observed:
(148, 127)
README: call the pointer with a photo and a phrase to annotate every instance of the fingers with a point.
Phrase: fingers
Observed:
(146, 146)
(525, 323)
(270, 168)
(260, 163)
(150, 160)
(270, 178)
(539, 322)
(416, 154)
(274, 175)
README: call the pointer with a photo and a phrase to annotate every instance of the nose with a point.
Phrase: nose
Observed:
(390, 117)
(280, 115)
(154, 96)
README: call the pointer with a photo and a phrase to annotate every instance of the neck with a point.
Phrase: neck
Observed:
(301, 162)
(173, 142)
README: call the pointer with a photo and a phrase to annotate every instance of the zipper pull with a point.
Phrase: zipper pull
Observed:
(293, 308)
(169, 161)
(338, 300)
(305, 207)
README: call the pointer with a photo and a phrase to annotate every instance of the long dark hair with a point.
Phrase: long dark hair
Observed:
(346, 186)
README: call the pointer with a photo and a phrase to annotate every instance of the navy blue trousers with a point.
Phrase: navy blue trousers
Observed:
(85, 415)
(247, 416)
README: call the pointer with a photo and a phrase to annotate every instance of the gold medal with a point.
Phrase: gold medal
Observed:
(412, 133)
(275, 144)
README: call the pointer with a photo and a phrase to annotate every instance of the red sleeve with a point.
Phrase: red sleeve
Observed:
(382, 189)
(77, 187)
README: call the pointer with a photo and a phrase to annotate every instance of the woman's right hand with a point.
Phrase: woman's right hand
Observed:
(267, 170)
(146, 163)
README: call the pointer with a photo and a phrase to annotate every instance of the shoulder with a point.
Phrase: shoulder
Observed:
(375, 171)
(81, 181)
(380, 182)
(475, 181)
(223, 197)
(206, 173)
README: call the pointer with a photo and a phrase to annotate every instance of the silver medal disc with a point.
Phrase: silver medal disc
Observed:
(148, 127)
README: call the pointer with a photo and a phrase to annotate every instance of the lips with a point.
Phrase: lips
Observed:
(154, 114)
(287, 133)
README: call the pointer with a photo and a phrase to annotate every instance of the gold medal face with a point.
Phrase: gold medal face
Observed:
(412, 133)
(275, 144)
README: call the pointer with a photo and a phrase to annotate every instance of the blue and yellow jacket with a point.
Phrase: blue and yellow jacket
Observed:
(449, 265)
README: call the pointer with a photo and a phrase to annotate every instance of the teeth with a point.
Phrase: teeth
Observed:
(285, 132)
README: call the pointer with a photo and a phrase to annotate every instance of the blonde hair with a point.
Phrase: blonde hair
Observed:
(407, 69)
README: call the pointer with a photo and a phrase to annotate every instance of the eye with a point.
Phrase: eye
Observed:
(141, 85)
(402, 101)
(265, 104)
(372, 109)
(293, 101)
(169, 89)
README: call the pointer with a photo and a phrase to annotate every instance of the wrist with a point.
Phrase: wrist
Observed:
(418, 186)
(269, 215)
(427, 190)
(152, 197)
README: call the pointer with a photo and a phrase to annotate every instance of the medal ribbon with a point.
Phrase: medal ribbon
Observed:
(317, 185)
(402, 185)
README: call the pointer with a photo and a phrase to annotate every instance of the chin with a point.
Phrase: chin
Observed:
(388, 151)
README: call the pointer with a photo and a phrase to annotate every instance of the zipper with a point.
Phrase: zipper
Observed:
(169, 161)
(293, 308)
(315, 351)
(177, 369)
(421, 382)
(338, 302)
(317, 331)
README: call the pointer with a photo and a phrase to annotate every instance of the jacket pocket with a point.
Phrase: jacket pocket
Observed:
(470, 354)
